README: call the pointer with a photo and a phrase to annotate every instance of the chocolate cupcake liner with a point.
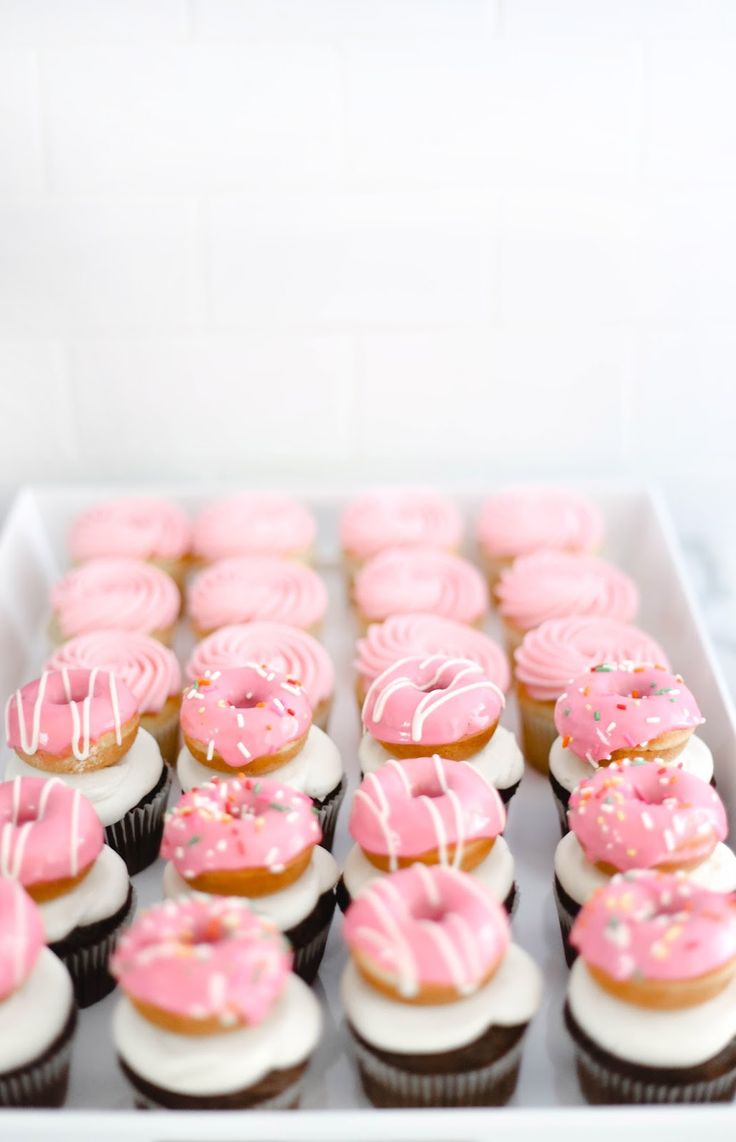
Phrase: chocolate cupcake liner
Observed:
(327, 811)
(278, 1090)
(87, 963)
(44, 1081)
(507, 793)
(562, 800)
(309, 937)
(137, 836)
(308, 957)
(566, 916)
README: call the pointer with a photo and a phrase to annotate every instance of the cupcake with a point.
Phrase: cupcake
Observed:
(126, 594)
(82, 726)
(254, 523)
(640, 816)
(651, 1002)
(274, 646)
(52, 843)
(419, 579)
(558, 650)
(258, 839)
(256, 721)
(241, 590)
(134, 527)
(436, 997)
(212, 1016)
(432, 811)
(38, 1016)
(397, 517)
(421, 706)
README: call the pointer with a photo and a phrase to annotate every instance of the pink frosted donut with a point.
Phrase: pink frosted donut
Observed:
(203, 960)
(48, 832)
(518, 521)
(134, 527)
(408, 580)
(399, 518)
(253, 587)
(124, 593)
(424, 805)
(427, 931)
(646, 816)
(611, 708)
(148, 668)
(21, 936)
(253, 523)
(554, 584)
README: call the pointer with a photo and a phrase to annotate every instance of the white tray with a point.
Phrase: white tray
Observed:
(641, 539)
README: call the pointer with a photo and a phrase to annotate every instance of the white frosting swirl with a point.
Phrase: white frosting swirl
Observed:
(34, 1015)
(500, 760)
(569, 770)
(101, 893)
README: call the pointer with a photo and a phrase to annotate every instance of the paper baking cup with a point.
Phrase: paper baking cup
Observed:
(137, 836)
(562, 800)
(88, 964)
(308, 958)
(567, 919)
(150, 1097)
(327, 815)
(42, 1083)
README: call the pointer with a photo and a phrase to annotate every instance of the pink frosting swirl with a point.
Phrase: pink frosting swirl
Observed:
(560, 649)
(241, 590)
(136, 527)
(399, 518)
(409, 580)
(21, 936)
(621, 707)
(124, 593)
(148, 668)
(518, 521)
(554, 584)
(656, 926)
(204, 957)
(253, 523)
(48, 831)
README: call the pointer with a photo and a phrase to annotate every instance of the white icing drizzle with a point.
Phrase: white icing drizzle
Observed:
(81, 736)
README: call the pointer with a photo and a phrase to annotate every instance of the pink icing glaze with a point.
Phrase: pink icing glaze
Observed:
(432, 700)
(65, 712)
(48, 831)
(137, 527)
(21, 936)
(399, 518)
(253, 523)
(421, 804)
(273, 645)
(409, 580)
(560, 649)
(239, 823)
(518, 521)
(403, 635)
(428, 925)
(148, 668)
(240, 590)
(554, 584)
(656, 926)
(609, 708)
(124, 593)
(204, 957)
(245, 713)
(646, 816)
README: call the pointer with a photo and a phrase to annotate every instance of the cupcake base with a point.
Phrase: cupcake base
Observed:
(344, 899)
(137, 835)
(327, 811)
(309, 937)
(44, 1081)
(567, 910)
(86, 953)
(278, 1090)
(538, 729)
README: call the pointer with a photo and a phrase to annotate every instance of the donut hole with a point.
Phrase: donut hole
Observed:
(428, 910)
(248, 700)
(78, 692)
(427, 788)
(430, 687)
(26, 815)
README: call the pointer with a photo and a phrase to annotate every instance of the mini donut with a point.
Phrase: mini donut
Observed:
(658, 940)
(426, 809)
(254, 523)
(426, 934)
(72, 721)
(398, 517)
(241, 590)
(135, 527)
(21, 936)
(432, 705)
(241, 836)
(129, 594)
(202, 965)
(614, 712)
(404, 580)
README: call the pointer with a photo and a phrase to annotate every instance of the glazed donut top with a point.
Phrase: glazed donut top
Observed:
(407, 580)
(554, 584)
(66, 712)
(403, 635)
(656, 926)
(274, 646)
(622, 706)
(21, 936)
(434, 700)
(239, 823)
(128, 594)
(204, 957)
(253, 523)
(136, 527)
(245, 713)
(257, 587)
(420, 804)
(428, 924)
(518, 521)
(646, 816)
(48, 831)
(560, 649)
(399, 518)
(148, 668)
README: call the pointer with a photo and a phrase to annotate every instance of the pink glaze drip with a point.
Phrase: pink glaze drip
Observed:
(518, 521)
(127, 594)
(135, 527)
(399, 518)
(48, 831)
(554, 584)
(410, 580)
(21, 936)
(253, 523)
(253, 587)
(148, 668)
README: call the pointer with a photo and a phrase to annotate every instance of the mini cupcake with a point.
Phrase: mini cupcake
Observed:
(258, 839)
(255, 721)
(646, 816)
(212, 1016)
(83, 727)
(558, 650)
(274, 646)
(651, 1003)
(431, 811)
(126, 594)
(241, 590)
(397, 517)
(419, 579)
(134, 527)
(421, 706)
(254, 523)
(437, 999)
